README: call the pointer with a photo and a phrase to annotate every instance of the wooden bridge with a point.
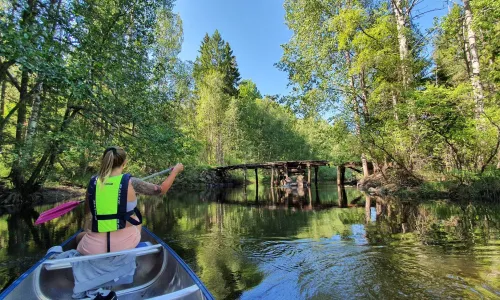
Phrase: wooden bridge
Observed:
(281, 168)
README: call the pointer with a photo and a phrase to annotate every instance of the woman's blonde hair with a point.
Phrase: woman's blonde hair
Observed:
(113, 157)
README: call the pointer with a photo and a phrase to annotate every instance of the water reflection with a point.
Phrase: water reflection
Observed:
(296, 198)
(324, 242)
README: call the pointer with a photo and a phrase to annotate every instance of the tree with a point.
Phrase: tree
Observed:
(104, 71)
(211, 110)
(216, 54)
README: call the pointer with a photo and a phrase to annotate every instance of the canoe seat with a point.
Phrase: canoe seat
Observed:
(144, 248)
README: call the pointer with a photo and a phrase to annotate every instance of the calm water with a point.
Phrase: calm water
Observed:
(302, 244)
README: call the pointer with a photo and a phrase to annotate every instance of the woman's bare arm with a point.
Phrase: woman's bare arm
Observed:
(146, 188)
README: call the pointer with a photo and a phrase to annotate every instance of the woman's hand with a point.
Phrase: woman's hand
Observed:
(165, 186)
(178, 168)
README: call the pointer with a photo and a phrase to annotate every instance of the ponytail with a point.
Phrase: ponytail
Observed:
(106, 166)
(113, 157)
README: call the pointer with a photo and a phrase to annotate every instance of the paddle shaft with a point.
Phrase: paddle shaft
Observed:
(157, 174)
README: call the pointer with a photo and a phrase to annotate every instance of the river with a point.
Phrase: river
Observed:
(301, 244)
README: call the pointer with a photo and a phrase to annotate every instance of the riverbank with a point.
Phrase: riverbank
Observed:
(193, 178)
(455, 187)
(46, 195)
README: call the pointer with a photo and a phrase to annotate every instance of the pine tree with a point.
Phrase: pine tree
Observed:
(217, 55)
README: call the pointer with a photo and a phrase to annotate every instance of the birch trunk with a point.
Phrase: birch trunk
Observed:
(466, 50)
(474, 56)
(400, 14)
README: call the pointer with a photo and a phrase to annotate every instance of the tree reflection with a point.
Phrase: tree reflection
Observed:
(230, 241)
(218, 239)
(436, 222)
(22, 243)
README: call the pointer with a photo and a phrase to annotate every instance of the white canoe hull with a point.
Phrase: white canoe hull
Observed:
(160, 274)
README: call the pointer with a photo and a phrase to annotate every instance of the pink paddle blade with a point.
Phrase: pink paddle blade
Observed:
(57, 211)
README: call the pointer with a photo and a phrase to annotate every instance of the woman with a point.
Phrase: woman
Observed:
(112, 201)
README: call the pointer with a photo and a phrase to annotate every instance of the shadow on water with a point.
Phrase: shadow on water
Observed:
(325, 242)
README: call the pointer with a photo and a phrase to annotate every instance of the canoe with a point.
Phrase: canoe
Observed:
(160, 274)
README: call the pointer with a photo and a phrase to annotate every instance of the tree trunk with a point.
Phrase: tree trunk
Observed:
(218, 149)
(364, 95)
(21, 112)
(466, 50)
(2, 110)
(352, 96)
(50, 154)
(33, 121)
(401, 14)
(476, 70)
(498, 163)
(16, 171)
(364, 163)
(2, 98)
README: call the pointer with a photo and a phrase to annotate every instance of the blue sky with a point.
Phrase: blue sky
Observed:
(255, 29)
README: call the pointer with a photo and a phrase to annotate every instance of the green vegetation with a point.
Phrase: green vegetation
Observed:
(76, 77)
(430, 117)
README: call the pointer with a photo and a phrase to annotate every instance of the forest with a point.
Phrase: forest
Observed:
(79, 76)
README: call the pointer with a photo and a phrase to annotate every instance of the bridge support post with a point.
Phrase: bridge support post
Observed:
(245, 181)
(272, 177)
(340, 175)
(308, 175)
(316, 176)
(256, 179)
(342, 196)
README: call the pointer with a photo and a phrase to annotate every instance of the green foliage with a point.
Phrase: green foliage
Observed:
(216, 54)
(108, 73)
(79, 77)
(354, 60)
(105, 74)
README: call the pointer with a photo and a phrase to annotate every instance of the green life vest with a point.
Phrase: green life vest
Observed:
(108, 204)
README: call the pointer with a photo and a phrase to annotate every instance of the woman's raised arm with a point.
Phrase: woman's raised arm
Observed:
(147, 188)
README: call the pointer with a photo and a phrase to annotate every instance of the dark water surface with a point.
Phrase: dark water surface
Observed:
(291, 244)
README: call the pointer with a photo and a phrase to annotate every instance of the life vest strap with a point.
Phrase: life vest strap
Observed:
(108, 217)
(108, 240)
(127, 217)
(132, 220)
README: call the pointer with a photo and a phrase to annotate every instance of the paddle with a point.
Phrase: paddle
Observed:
(64, 208)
